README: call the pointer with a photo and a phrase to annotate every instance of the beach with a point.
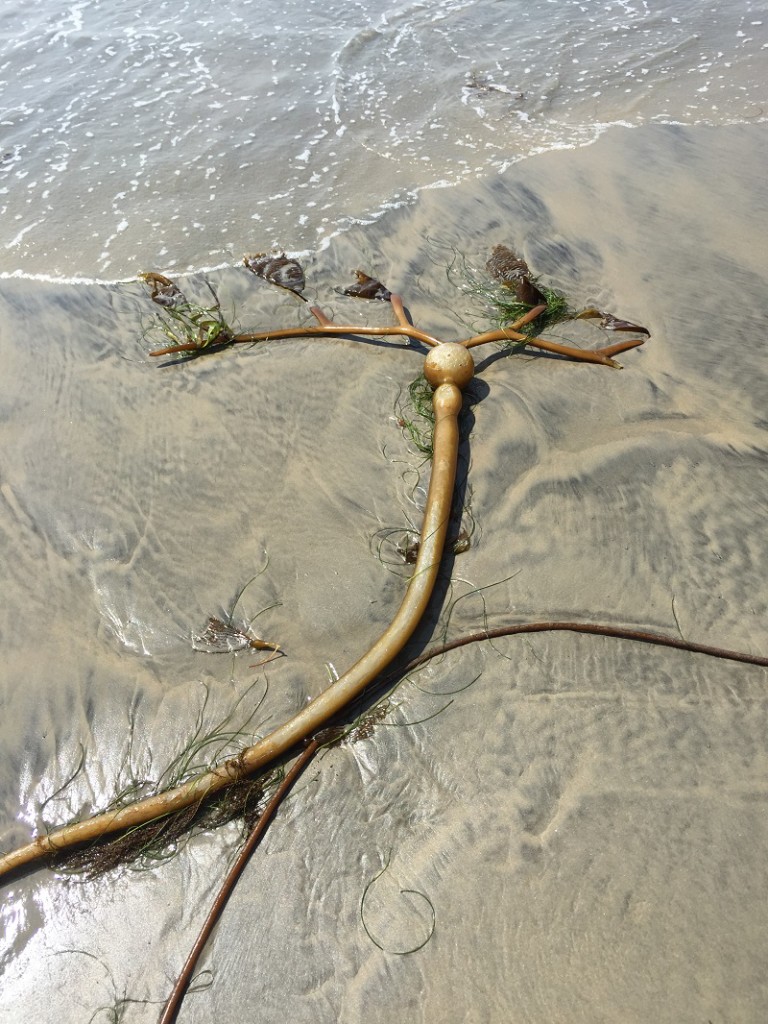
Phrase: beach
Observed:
(584, 816)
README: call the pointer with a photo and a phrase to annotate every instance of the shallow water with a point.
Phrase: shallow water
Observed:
(177, 135)
(587, 818)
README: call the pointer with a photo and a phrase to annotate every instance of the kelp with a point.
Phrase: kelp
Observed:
(367, 288)
(447, 370)
(191, 328)
(279, 270)
(220, 637)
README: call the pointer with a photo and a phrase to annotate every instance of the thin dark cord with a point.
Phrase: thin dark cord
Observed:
(617, 632)
(182, 983)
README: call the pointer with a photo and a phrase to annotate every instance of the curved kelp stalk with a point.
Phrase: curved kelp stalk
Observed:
(448, 368)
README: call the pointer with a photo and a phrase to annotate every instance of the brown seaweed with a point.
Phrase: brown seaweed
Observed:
(367, 288)
(278, 270)
(609, 322)
(512, 272)
(506, 266)
(221, 637)
(164, 291)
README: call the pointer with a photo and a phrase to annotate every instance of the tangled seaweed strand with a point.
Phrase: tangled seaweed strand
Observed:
(159, 838)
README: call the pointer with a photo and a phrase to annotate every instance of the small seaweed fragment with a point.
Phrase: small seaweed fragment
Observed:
(192, 329)
(417, 416)
(482, 84)
(409, 549)
(220, 637)
(512, 272)
(115, 1011)
(609, 322)
(367, 288)
(365, 726)
(278, 270)
(462, 543)
(164, 291)
(57, 793)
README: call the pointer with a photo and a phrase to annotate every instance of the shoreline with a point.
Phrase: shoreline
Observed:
(391, 207)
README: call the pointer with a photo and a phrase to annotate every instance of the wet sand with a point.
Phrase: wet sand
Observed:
(588, 817)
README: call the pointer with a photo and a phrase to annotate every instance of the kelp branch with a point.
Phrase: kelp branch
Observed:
(523, 309)
(589, 628)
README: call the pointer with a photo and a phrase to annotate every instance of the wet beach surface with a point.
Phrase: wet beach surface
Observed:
(588, 817)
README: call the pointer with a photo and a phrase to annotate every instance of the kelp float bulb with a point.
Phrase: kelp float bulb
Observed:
(449, 363)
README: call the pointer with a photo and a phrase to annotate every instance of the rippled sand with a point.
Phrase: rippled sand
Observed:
(588, 817)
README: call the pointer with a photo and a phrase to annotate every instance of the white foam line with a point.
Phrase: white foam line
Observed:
(14, 242)
(7, 275)
(407, 198)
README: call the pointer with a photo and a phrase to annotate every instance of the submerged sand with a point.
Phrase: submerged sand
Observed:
(588, 818)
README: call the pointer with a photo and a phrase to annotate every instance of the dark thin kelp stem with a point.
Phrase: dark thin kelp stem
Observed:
(593, 629)
(233, 875)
